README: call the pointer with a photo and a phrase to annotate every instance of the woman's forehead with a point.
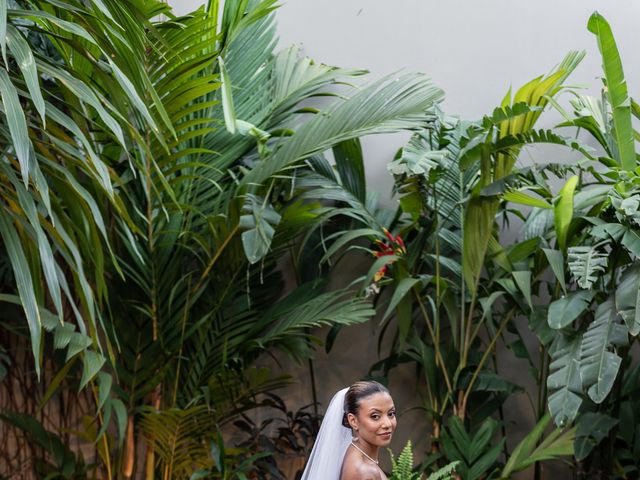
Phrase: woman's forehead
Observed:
(379, 401)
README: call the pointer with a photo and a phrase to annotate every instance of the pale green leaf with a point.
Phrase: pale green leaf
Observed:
(227, 98)
(523, 281)
(599, 362)
(556, 262)
(17, 126)
(3, 30)
(78, 343)
(565, 310)
(258, 222)
(592, 428)
(402, 289)
(92, 363)
(25, 59)
(104, 387)
(616, 90)
(521, 198)
(627, 298)
(24, 282)
(563, 211)
(62, 335)
(564, 380)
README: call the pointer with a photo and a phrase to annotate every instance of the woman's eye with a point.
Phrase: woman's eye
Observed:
(375, 417)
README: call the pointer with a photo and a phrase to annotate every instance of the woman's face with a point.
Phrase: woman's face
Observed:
(375, 421)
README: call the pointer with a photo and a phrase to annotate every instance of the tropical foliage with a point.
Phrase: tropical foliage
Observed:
(456, 289)
(450, 281)
(403, 467)
(175, 194)
(176, 169)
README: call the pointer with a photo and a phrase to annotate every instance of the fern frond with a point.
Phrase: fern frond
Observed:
(403, 465)
(445, 473)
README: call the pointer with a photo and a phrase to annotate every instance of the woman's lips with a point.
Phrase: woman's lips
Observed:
(386, 435)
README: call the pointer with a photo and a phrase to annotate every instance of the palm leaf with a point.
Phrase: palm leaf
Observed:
(390, 104)
(284, 325)
(179, 438)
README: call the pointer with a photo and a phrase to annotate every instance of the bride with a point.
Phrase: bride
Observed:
(360, 419)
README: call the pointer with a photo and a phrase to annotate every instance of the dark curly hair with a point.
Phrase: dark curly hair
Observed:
(356, 393)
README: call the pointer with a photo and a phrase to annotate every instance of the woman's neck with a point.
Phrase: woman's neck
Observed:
(367, 448)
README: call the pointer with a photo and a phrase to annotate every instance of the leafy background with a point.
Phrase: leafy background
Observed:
(476, 50)
(192, 334)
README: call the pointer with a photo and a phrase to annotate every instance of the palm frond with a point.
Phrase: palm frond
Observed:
(180, 437)
(390, 104)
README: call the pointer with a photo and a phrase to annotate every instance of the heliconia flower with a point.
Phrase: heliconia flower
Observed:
(380, 274)
(395, 246)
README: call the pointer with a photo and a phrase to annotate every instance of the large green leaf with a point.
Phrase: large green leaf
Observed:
(284, 324)
(478, 226)
(564, 380)
(616, 88)
(593, 427)
(3, 30)
(565, 310)
(531, 449)
(350, 166)
(563, 212)
(627, 298)
(599, 362)
(227, 99)
(258, 222)
(556, 262)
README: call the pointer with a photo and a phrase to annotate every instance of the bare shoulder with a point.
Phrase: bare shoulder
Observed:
(354, 468)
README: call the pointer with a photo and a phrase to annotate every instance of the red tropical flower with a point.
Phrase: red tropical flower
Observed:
(394, 246)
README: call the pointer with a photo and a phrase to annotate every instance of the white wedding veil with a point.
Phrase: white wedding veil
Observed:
(325, 461)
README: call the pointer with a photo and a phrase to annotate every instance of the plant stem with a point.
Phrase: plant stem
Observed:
(466, 343)
(184, 323)
(467, 392)
(439, 359)
(105, 444)
(216, 256)
(503, 427)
